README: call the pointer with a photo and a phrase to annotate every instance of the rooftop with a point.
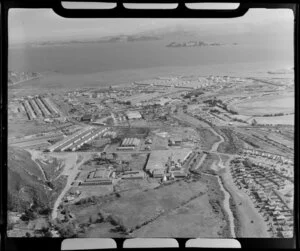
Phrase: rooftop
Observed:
(133, 115)
(158, 159)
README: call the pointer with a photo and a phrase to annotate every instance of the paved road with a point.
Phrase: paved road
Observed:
(71, 169)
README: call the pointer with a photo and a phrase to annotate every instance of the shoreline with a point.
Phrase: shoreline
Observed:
(124, 77)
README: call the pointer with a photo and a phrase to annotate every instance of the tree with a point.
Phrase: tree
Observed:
(254, 122)
(45, 211)
(115, 156)
(28, 215)
(66, 231)
(103, 155)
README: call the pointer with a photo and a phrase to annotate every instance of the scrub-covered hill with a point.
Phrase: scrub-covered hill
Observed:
(26, 184)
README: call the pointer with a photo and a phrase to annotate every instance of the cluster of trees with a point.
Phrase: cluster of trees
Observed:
(193, 94)
(128, 102)
(87, 200)
(274, 115)
(212, 102)
(247, 163)
(215, 111)
(215, 102)
(66, 230)
(240, 120)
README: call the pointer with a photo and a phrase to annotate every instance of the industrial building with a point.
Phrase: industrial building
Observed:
(49, 104)
(86, 118)
(133, 115)
(39, 107)
(175, 141)
(130, 142)
(124, 148)
(159, 159)
(110, 134)
(158, 173)
(100, 176)
(178, 174)
(77, 140)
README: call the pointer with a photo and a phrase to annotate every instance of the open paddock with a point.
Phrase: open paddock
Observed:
(265, 105)
(277, 120)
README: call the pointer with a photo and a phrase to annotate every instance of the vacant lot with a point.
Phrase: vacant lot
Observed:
(207, 138)
(138, 161)
(278, 120)
(195, 219)
(155, 212)
(138, 185)
(135, 209)
(232, 143)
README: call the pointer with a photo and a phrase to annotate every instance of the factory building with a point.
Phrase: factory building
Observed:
(86, 118)
(179, 174)
(158, 173)
(77, 140)
(133, 115)
(125, 148)
(175, 141)
(130, 142)
(99, 176)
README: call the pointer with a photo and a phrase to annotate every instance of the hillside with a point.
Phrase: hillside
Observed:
(32, 191)
(18, 77)
(25, 182)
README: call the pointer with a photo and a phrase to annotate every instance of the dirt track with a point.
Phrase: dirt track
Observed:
(71, 170)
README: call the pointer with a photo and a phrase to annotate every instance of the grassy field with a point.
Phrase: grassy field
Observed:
(195, 219)
(138, 161)
(207, 138)
(52, 169)
(266, 105)
(143, 206)
(138, 185)
(232, 143)
(143, 213)
(278, 120)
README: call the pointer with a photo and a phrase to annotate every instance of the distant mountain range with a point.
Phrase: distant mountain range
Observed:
(193, 44)
(170, 34)
(107, 39)
(189, 35)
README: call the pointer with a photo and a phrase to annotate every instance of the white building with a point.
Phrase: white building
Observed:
(133, 115)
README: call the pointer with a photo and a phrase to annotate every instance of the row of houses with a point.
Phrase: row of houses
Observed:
(261, 186)
(268, 155)
(278, 164)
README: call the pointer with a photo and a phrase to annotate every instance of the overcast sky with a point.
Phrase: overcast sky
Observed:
(28, 25)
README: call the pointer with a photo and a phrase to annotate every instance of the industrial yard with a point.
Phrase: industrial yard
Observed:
(134, 158)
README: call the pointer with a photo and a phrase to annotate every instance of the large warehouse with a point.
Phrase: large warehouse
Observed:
(158, 159)
(130, 142)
